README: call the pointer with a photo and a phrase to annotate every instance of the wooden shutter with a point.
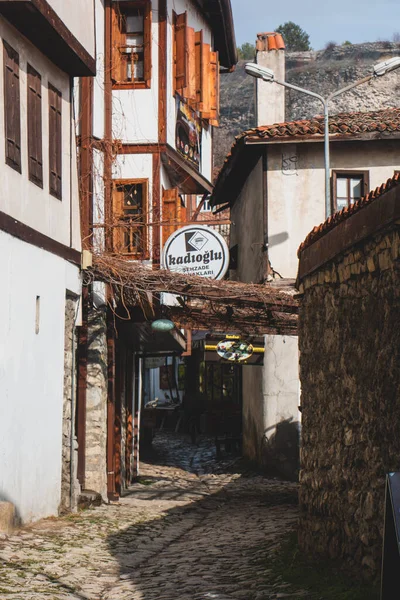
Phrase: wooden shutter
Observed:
(180, 53)
(117, 218)
(214, 89)
(190, 90)
(12, 107)
(171, 212)
(204, 103)
(118, 40)
(55, 142)
(34, 109)
(147, 44)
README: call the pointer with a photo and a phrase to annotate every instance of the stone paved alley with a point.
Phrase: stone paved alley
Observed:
(194, 528)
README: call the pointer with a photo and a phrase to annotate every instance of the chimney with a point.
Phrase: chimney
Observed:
(270, 97)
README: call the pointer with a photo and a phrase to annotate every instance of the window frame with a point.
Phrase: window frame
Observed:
(117, 213)
(55, 141)
(34, 127)
(348, 174)
(116, 34)
(12, 107)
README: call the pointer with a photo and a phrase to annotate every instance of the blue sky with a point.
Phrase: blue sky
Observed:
(354, 20)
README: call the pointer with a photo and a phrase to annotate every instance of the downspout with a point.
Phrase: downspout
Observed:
(265, 246)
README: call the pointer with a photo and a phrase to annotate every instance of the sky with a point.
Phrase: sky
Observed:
(354, 20)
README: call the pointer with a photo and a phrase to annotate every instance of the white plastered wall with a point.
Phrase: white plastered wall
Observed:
(296, 201)
(32, 375)
(135, 112)
(79, 18)
(19, 197)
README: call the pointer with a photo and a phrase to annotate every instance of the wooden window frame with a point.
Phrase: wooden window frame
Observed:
(347, 173)
(117, 37)
(117, 212)
(12, 107)
(55, 142)
(34, 116)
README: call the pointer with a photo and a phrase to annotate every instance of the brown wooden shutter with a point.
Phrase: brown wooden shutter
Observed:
(190, 90)
(147, 44)
(12, 107)
(180, 53)
(199, 68)
(205, 104)
(117, 218)
(55, 142)
(171, 212)
(214, 91)
(118, 40)
(34, 109)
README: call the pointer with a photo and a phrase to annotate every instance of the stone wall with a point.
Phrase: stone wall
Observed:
(349, 337)
(69, 472)
(96, 403)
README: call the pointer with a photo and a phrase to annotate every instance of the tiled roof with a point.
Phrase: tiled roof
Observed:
(269, 41)
(344, 125)
(334, 220)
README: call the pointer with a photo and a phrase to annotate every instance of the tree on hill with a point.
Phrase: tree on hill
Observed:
(296, 39)
(246, 51)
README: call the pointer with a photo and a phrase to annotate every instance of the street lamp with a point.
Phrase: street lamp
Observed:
(268, 75)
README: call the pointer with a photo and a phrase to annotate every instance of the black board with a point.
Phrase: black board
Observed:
(391, 540)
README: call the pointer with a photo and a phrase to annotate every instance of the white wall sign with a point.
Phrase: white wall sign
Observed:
(197, 250)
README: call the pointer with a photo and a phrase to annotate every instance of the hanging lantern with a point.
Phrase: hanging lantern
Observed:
(162, 325)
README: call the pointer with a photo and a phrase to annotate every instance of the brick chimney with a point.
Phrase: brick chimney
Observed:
(270, 97)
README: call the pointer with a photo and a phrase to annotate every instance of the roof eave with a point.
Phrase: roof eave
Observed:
(220, 16)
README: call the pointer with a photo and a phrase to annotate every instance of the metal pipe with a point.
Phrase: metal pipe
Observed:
(325, 102)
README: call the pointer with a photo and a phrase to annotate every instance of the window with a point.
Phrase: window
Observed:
(348, 187)
(12, 107)
(55, 141)
(35, 159)
(206, 204)
(196, 70)
(130, 216)
(131, 44)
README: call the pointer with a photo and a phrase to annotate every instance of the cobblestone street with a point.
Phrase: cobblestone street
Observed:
(193, 528)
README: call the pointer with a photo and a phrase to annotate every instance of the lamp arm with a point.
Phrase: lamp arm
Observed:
(349, 87)
(299, 89)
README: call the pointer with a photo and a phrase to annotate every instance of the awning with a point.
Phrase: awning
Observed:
(183, 175)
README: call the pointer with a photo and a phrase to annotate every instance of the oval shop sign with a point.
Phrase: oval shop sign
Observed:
(196, 250)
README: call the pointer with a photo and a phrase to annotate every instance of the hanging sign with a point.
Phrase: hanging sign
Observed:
(197, 250)
(234, 350)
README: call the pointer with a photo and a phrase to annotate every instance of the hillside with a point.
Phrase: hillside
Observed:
(321, 72)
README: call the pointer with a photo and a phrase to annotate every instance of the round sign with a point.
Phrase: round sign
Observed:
(234, 350)
(196, 250)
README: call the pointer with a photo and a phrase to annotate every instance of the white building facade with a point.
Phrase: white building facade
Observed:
(43, 46)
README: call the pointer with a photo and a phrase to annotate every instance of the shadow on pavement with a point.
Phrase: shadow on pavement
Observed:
(211, 541)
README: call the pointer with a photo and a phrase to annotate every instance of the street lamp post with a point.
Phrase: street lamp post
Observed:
(268, 75)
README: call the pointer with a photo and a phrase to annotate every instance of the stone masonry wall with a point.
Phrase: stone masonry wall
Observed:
(349, 335)
(96, 403)
(68, 500)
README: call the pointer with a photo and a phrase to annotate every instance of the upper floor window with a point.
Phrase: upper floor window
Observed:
(131, 43)
(196, 70)
(206, 207)
(34, 110)
(130, 217)
(348, 187)
(12, 107)
(55, 142)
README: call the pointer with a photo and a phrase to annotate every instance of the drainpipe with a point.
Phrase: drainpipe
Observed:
(265, 246)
